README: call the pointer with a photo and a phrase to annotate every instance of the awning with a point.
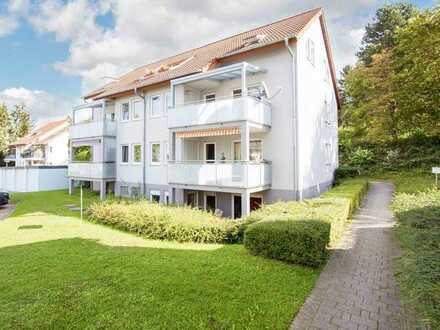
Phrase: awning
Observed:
(209, 132)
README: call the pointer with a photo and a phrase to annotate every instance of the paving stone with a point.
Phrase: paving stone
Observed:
(357, 289)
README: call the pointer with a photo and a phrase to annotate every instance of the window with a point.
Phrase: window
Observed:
(167, 102)
(137, 153)
(135, 192)
(82, 154)
(137, 109)
(255, 150)
(123, 191)
(83, 115)
(125, 112)
(209, 98)
(167, 197)
(311, 51)
(155, 153)
(155, 106)
(236, 93)
(210, 202)
(124, 154)
(155, 196)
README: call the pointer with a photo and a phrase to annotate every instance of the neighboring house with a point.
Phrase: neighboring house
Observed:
(246, 120)
(46, 145)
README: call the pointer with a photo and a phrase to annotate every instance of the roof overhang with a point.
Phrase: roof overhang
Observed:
(94, 104)
(233, 71)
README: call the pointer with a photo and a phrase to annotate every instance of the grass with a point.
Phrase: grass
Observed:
(417, 208)
(73, 274)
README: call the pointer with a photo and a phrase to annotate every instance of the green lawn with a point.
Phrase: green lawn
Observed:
(57, 272)
(416, 206)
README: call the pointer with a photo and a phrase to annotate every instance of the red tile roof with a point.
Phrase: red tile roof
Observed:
(204, 58)
(40, 133)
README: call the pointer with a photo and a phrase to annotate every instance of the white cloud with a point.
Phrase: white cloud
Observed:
(145, 30)
(19, 6)
(8, 25)
(40, 104)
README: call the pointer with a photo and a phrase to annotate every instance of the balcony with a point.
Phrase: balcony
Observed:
(90, 129)
(223, 174)
(230, 110)
(89, 170)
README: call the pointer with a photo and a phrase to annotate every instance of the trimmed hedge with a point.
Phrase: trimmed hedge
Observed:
(156, 221)
(335, 207)
(301, 242)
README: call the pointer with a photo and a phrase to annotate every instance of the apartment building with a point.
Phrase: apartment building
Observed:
(46, 145)
(247, 120)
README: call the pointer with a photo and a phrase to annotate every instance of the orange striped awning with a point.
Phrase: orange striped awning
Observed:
(209, 132)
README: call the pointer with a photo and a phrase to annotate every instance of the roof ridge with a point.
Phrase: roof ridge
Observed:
(223, 39)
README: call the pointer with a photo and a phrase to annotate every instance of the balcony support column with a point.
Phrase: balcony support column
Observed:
(244, 90)
(102, 190)
(245, 203)
(245, 141)
(172, 146)
(71, 181)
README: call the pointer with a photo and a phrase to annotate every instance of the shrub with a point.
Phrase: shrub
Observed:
(335, 207)
(345, 171)
(156, 221)
(301, 242)
(361, 157)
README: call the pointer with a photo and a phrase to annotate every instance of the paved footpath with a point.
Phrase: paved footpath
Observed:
(357, 289)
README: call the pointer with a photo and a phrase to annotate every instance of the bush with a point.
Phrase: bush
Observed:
(345, 171)
(301, 242)
(361, 157)
(334, 207)
(156, 221)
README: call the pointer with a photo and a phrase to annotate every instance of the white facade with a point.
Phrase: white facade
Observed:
(205, 143)
(35, 178)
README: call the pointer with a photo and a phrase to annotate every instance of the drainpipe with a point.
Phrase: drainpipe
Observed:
(295, 119)
(144, 137)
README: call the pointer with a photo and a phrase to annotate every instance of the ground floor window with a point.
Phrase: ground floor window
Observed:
(191, 198)
(135, 192)
(155, 196)
(256, 203)
(210, 202)
(123, 191)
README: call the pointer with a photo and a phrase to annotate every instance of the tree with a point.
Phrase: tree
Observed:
(381, 34)
(416, 60)
(4, 130)
(20, 122)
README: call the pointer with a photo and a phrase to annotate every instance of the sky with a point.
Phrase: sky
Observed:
(54, 51)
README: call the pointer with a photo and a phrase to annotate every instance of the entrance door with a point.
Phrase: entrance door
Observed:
(237, 206)
(210, 203)
(210, 152)
(256, 203)
(191, 199)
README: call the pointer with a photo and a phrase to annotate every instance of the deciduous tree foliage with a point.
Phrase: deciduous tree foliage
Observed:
(394, 90)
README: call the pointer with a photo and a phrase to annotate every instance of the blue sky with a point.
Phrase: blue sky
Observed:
(52, 51)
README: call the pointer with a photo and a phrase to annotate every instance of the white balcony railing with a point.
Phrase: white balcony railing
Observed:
(221, 111)
(220, 174)
(93, 129)
(92, 170)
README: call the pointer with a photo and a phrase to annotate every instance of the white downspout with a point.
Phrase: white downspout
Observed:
(144, 137)
(296, 183)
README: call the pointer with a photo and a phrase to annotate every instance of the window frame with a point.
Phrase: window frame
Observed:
(209, 94)
(155, 163)
(251, 140)
(155, 193)
(122, 154)
(159, 107)
(133, 108)
(133, 161)
(131, 192)
(128, 191)
(167, 103)
(122, 111)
